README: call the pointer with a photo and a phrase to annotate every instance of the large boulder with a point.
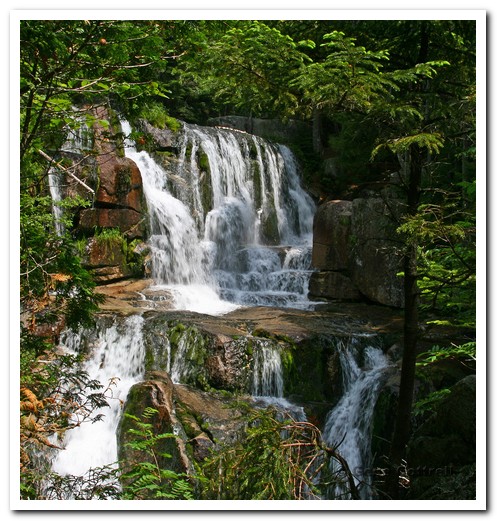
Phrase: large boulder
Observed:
(156, 393)
(119, 200)
(331, 236)
(376, 250)
(120, 183)
(356, 250)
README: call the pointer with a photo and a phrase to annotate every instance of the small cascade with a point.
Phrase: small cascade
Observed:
(223, 220)
(267, 382)
(183, 362)
(268, 374)
(55, 181)
(79, 137)
(118, 356)
(268, 277)
(348, 424)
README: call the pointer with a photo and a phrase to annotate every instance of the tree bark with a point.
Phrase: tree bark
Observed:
(411, 299)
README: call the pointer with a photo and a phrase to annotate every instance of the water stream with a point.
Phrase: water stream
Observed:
(348, 424)
(55, 180)
(117, 356)
(268, 383)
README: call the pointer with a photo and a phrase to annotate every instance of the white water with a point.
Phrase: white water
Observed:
(207, 222)
(268, 373)
(348, 425)
(267, 380)
(55, 187)
(118, 356)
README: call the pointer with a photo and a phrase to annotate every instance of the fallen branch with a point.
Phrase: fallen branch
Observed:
(58, 165)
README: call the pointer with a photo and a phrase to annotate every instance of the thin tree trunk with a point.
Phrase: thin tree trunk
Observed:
(411, 297)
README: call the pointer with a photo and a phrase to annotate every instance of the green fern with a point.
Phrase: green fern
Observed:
(147, 479)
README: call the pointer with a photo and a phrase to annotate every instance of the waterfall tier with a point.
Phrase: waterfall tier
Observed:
(117, 356)
(349, 423)
(229, 220)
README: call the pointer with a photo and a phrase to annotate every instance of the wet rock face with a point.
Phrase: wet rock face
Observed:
(119, 201)
(356, 253)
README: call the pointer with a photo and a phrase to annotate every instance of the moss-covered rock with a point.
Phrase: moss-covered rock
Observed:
(156, 393)
(269, 226)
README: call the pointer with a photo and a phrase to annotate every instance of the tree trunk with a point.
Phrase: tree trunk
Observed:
(411, 298)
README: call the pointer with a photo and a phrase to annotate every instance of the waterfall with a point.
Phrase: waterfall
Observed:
(348, 424)
(224, 218)
(55, 180)
(268, 374)
(267, 380)
(79, 140)
(118, 355)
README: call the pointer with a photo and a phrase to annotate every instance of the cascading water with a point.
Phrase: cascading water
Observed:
(55, 187)
(118, 356)
(268, 374)
(267, 380)
(224, 220)
(348, 424)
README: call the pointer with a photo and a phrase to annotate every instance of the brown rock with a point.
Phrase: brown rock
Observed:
(128, 221)
(332, 285)
(331, 236)
(107, 274)
(103, 253)
(120, 182)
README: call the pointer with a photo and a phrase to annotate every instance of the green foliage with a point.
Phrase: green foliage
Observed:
(147, 479)
(109, 236)
(432, 142)
(99, 483)
(66, 60)
(349, 78)
(156, 114)
(249, 66)
(447, 257)
(53, 283)
(426, 404)
(464, 353)
(277, 459)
